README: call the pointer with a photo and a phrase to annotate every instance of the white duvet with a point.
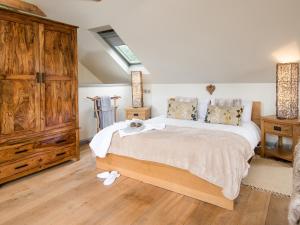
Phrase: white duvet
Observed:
(101, 141)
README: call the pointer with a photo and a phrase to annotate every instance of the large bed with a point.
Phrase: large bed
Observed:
(199, 160)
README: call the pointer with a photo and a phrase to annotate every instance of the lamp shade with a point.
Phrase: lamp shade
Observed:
(137, 89)
(287, 89)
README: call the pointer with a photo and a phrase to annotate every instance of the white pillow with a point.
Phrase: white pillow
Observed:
(185, 99)
(202, 109)
(247, 113)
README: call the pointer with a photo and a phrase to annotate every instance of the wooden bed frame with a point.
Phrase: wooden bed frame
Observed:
(171, 178)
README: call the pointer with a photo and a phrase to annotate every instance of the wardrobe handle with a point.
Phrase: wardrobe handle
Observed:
(43, 79)
(60, 154)
(19, 167)
(38, 77)
(61, 141)
(21, 151)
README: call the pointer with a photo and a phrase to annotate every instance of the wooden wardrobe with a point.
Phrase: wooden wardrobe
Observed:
(38, 94)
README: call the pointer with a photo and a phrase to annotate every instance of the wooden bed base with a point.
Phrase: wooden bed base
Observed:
(167, 177)
(171, 178)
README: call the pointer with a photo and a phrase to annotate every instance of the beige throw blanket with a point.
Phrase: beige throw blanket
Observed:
(219, 157)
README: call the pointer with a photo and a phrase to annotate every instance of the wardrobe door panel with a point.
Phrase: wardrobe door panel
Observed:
(19, 90)
(18, 43)
(58, 54)
(59, 75)
(58, 103)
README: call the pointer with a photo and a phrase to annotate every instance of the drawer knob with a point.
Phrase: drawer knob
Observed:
(277, 128)
(22, 166)
(136, 114)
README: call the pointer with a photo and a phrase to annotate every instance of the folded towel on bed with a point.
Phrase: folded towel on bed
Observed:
(147, 127)
(101, 141)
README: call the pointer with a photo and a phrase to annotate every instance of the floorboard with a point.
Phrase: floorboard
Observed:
(278, 210)
(70, 194)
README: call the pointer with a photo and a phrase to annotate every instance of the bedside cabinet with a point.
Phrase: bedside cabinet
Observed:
(143, 113)
(282, 129)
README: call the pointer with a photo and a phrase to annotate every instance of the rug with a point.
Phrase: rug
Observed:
(270, 175)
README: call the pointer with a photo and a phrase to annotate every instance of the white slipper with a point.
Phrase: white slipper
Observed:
(115, 173)
(103, 175)
(111, 178)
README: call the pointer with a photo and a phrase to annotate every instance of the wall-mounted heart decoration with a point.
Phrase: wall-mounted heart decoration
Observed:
(210, 88)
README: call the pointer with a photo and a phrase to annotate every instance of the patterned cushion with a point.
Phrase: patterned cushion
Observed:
(182, 110)
(224, 115)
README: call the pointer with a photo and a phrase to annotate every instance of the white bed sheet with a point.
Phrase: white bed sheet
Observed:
(101, 141)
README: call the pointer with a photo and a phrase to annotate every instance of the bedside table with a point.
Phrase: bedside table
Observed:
(281, 128)
(143, 113)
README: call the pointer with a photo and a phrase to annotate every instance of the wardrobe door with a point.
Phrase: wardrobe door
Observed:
(19, 89)
(58, 88)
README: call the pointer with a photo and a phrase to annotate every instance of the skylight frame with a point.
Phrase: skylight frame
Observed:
(119, 52)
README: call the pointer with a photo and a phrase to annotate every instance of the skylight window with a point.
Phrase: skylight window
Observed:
(114, 41)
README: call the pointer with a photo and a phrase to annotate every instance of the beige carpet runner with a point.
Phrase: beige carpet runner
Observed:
(270, 175)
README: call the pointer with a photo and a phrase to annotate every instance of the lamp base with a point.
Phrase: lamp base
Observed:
(282, 118)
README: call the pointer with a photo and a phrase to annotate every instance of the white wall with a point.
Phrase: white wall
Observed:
(85, 76)
(266, 93)
(201, 41)
(87, 122)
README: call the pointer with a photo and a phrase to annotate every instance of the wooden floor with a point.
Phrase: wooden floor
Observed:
(71, 194)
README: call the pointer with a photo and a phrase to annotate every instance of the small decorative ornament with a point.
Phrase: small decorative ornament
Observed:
(134, 126)
(210, 88)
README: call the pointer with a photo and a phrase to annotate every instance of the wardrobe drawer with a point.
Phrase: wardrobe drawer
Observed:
(57, 155)
(278, 129)
(15, 152)
(19, 167)
(57, 141)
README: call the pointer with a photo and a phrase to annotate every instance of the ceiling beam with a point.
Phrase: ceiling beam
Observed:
(23, 6)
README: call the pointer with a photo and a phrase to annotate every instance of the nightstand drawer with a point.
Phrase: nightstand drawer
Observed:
(279, 129)
(138, 113)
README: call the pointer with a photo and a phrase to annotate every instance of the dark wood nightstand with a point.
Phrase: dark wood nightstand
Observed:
(143, 113)
(281, 128)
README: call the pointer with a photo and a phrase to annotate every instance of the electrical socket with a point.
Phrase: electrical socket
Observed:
(147, 91)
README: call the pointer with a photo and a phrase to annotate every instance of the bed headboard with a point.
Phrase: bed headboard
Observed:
(256, 113)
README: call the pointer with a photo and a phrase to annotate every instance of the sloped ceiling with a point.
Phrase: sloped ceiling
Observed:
(188, 41)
